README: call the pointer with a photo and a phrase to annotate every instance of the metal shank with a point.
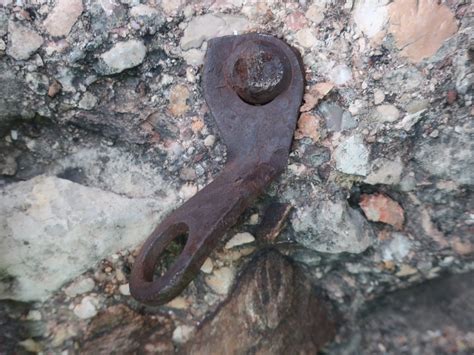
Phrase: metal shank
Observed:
(258, 139)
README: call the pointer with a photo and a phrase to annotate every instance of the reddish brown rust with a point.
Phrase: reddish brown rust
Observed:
(255, 109)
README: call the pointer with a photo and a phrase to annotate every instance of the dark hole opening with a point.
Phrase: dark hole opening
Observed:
(170, 254)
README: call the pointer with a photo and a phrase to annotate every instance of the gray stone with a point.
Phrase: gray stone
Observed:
(122, 56)
(385, 171)
(54, 229)
(23, 42)
(352, 156)
(332, 227)
(379, 96)
(336, 118)
(348, 122)
(332, 113)
(417, 106)
(88, 101)
(63, 16)
(203, 28)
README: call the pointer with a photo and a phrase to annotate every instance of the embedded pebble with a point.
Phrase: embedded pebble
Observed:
(88, 101)
(209, 140)
(239, 239)
(87, 308)
(122, 56)
(79, 287)
(207, 267)
(221, 280)
(381, 208)
(182, 333)
(379, 96)
(23, 42)
(306, 38)
(387, 113)
(352, 156)
(63, 16)
(125, 289)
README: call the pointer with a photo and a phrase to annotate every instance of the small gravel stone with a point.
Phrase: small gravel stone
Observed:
(387, 113)
(381, 208)
(207, 266)
(352, 156)
(87, 308)
(179, 94)
(315, 14)
(397, 249)
(125, 289)
(221, 280)
(385, 171)
(340, 74)
(379, 96)
(88, 101)
(63, 16)
(54, 88)
(240, 239)
(406, 270)
(253, 220)
(80, 286)
(308, 126)
(306, 38)
(8, 165)
(182, 333)
(178, 303)
(122, 56)
(23, 42)
(209, 140)
(34, 315)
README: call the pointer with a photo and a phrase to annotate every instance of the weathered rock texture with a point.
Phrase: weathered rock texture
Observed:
(103, 129)
(45, 221)
(274, 309)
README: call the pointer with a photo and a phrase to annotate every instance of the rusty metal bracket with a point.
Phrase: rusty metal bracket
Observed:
(253, 85)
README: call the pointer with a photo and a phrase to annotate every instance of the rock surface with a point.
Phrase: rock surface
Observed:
(51, 219)
(138, 134)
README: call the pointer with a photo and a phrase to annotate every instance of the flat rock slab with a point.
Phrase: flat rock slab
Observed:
(271, 300)
(54, 229)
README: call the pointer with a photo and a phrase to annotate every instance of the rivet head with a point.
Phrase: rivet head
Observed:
(258, 73)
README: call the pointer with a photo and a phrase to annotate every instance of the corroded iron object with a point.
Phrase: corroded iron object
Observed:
(253, 85)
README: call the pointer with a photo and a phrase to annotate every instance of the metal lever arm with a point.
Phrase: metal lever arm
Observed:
(204, 218)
